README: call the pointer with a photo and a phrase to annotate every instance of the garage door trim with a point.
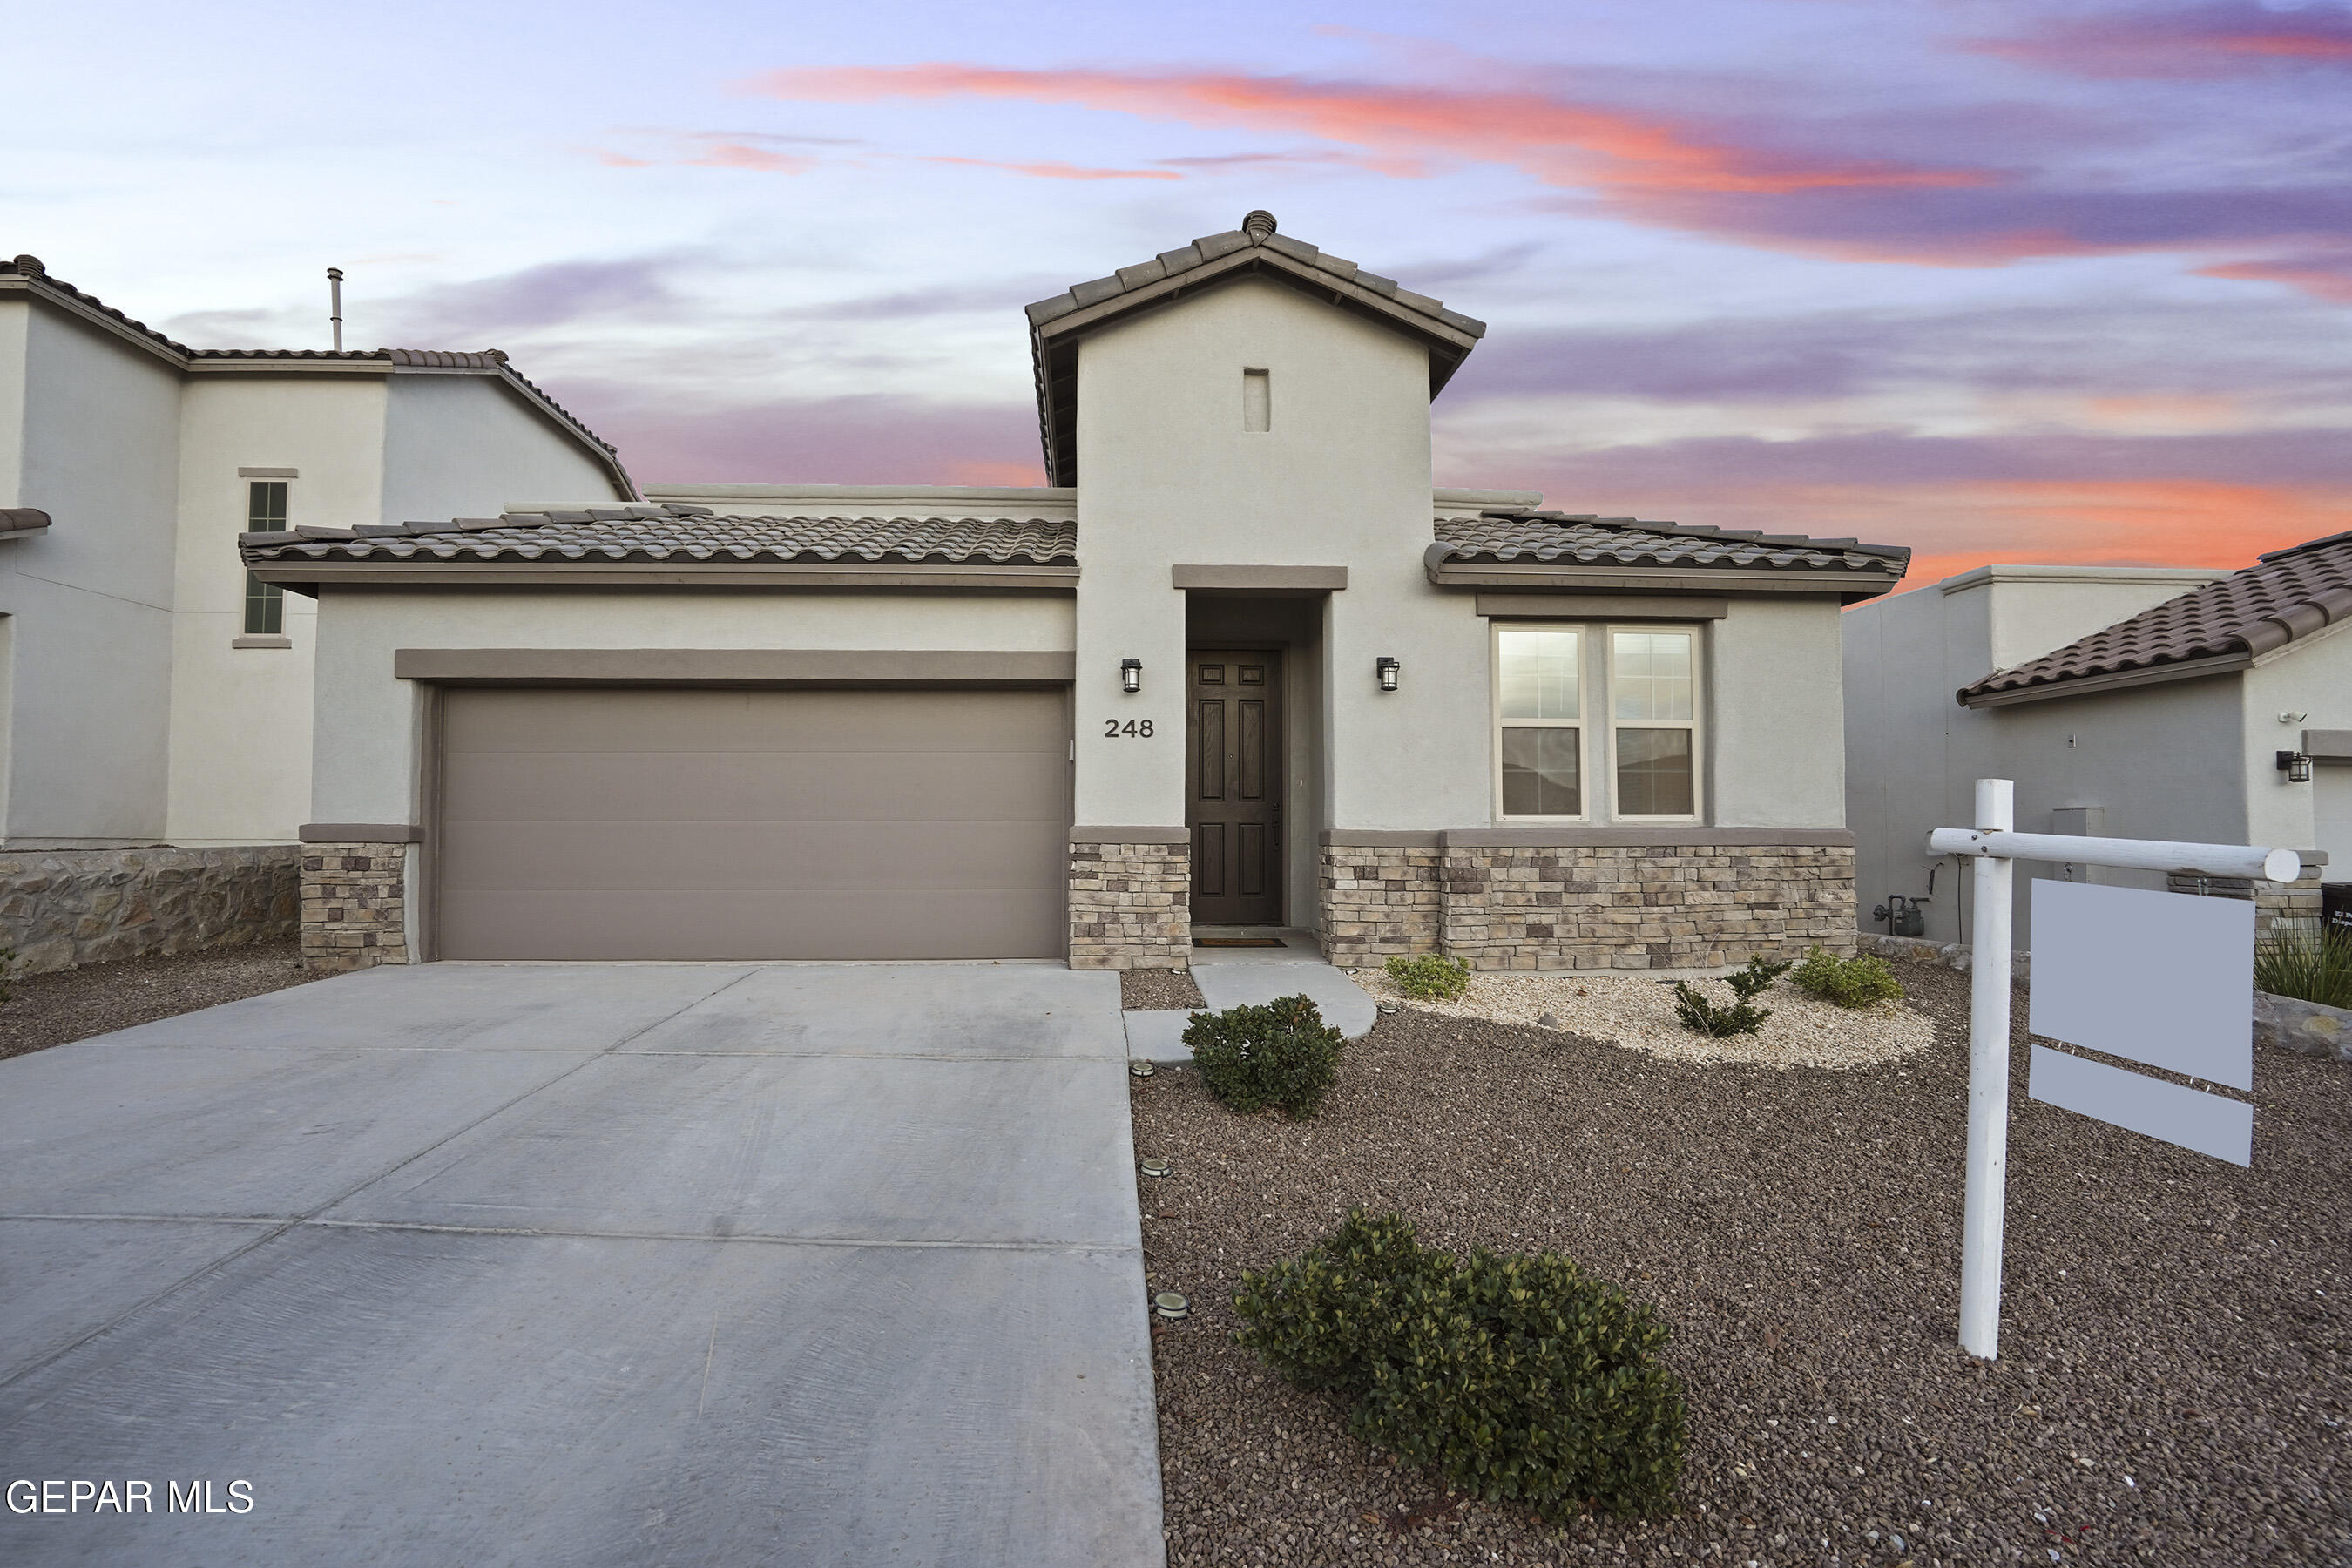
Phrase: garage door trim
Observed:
(732, 665)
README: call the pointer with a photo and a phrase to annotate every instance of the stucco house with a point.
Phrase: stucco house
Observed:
(155, 700)
(1235, 664)
(2136, 702)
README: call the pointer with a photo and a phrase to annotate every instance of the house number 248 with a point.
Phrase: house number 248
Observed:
(1139, 727)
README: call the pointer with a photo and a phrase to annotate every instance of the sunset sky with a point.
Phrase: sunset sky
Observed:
(2046, 282)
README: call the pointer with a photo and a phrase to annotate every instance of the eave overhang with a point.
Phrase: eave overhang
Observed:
(309, 577)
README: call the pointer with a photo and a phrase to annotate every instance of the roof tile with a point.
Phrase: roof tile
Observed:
(1514, 536)
(648, 533)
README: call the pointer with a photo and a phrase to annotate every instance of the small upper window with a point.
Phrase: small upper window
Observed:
(265, 506)
(1257, 400)
(265, 603)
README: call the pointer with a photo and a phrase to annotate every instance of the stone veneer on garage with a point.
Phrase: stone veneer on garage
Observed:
(60, 908)
(1130, 899)
(354, 905)
(1507, 899)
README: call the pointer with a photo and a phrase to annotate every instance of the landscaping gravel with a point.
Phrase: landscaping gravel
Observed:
(1638, 1011)
(75, 1004)
(2177, 1354)
(1157, 990)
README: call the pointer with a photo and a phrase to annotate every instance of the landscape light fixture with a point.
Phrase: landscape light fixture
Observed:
(1131, 675)
(1388, 670)
(1170, 1305)
(2296, 766)
(1155, 1168)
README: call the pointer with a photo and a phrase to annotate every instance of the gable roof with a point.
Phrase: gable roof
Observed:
(1522, 544)
(2286, 596)
(27, 275)
(1056, 325)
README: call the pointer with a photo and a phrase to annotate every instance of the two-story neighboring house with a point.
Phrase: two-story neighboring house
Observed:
(155, 698)
(1237, 664)
(2129, 702)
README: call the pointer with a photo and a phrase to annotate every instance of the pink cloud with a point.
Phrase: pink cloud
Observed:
(2229, 38)
(2324, 274)
(1053, 171)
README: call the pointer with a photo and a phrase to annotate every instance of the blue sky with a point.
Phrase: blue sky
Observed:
(1998, 280)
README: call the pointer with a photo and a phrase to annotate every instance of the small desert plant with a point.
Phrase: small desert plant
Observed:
(1281, 1054)
(1749, 982)
(1520, 1379)
(1426, 977)
(1858, 981)
(1713, 1019)
(2310, 967)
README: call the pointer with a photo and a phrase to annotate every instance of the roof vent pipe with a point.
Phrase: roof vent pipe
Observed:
(335, 303)
(1258, 226)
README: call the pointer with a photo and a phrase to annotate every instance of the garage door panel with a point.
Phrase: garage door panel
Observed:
(606, 720)
(603, 824)
(738, 786)
(743, 924)
(686, 856)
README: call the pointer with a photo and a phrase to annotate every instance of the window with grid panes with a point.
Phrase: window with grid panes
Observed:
(1646, 744)
(265, 603)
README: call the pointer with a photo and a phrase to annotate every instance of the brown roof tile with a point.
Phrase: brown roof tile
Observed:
(1505, 537)
(2285, 594)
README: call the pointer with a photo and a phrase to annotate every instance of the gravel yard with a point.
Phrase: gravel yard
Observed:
(2175, 1371)
(75, 1004)
(1638, 1010)
(1157, 990)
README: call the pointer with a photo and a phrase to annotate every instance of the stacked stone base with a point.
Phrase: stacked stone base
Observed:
(60, 908)
(1586, 906)
(354, 905)
(1130, 905)
(2281, 908)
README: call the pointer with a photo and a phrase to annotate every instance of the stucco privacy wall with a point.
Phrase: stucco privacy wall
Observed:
(1167, 475)
(240, 766)
(63, 907)
(369, 722)
(2163, 761)
(90, 601)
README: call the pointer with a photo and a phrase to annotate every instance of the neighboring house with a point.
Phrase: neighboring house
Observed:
(154, 699)
(2135, 702)
(1236, 665)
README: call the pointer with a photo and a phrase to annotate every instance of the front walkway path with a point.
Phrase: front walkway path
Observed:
(1230, 976)
(588, 1264)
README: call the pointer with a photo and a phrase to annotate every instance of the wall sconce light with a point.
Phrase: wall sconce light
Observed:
(1131, 675)
(2296, 766)
(1388, 669)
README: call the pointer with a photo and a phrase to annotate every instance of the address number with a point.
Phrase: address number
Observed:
(1139, 729)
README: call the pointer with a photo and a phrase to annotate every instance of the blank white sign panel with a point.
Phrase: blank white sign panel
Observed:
(2189, 1117)
(2162, 978)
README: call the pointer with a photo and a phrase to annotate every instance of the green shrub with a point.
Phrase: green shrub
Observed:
(2308, 967)
(1857, 981)
(1426, 977)
(1711, 1018)
(1281, 1054)
(1757, 978)
(1520, 1379)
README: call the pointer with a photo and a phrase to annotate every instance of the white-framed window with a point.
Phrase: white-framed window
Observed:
(1594, 721)
(264, 513)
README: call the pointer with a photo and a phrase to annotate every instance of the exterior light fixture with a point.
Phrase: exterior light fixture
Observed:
(2296, 766)
(1169, 1305)
(1388, 670)
(1154, 1167)
(1138, 1070)
(1131, 675)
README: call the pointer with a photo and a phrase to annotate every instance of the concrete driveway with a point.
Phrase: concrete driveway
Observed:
(586, 1264)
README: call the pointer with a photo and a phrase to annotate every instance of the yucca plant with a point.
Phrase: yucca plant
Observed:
(2310, 967)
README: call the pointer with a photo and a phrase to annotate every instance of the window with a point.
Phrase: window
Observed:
(1644, 678)
(265, 603)
(1539, 676)
(1257, 401)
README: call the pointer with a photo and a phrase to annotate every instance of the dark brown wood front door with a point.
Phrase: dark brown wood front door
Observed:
(1232, 756)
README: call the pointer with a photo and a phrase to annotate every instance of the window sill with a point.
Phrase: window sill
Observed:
(262, 642)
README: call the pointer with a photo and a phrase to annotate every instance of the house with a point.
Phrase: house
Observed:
(1236, 663)
(155, 726)
(2133, 702)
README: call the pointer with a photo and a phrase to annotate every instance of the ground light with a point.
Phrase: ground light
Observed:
(1155, 1168)
(1168, 1304)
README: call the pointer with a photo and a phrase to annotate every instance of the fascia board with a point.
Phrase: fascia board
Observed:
(1657, 580)
(1249, 259)
(30, 289)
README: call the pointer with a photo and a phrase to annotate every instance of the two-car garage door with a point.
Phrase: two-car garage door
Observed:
(629, 823)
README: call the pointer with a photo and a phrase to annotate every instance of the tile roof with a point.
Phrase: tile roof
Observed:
(678, 533)
(490, 360)
(1508, 537)
(2285, 595)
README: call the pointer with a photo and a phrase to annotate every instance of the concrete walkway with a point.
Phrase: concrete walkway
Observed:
(1229, 976)
(588, 1264)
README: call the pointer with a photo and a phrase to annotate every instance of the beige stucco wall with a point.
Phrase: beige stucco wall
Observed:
(2313, 677)
(368, 723)
(1776, 715)
(92, 440)
(1167, 475)
(465, 446)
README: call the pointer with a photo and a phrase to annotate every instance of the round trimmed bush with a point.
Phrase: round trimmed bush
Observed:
(1281, 1056)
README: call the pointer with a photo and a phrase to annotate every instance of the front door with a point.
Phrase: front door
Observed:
(1232, 756)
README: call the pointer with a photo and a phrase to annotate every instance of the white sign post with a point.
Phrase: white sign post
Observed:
(1997, 846)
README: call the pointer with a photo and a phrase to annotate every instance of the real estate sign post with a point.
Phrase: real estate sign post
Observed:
(2159, 982)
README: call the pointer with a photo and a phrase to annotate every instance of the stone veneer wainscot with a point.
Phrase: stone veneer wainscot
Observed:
(60, 908)
(1505, 900)
(1130, 900)
(354, 905)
